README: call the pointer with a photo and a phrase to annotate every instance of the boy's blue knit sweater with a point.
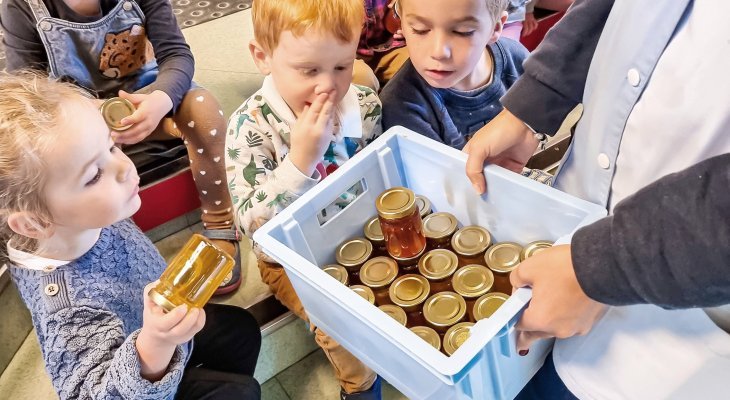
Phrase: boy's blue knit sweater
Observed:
(87, 330)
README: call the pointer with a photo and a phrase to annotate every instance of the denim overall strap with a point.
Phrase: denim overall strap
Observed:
(103, 56)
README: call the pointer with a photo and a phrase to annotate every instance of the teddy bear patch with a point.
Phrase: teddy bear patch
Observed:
(124, 53)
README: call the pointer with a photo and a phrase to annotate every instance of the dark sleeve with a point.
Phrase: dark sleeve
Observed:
(23, 45)
(555, 73)
(668, 244)
(173, 54)
(406, 104)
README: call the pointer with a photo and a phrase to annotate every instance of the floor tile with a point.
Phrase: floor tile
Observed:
(272, 390)
(252, 287)
(26, 378)
(282, 348)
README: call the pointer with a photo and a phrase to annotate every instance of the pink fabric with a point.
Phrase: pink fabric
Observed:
(512, 30)
(322, 171)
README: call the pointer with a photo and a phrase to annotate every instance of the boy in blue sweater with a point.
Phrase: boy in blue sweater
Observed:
(458, 68)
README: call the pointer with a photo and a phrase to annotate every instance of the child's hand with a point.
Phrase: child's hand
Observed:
(529, 24)
(312, 134)
(161, 332)
(151, 108)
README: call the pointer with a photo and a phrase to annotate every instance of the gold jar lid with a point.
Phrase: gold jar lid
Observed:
(364, 292)
(429, 335)
(373, 232)
(395, 312)
(438, 264)
(160, 300)
(503, 257)
(353, 253)
(535, 247)
(379, 272)
(444, 309)
(424, 205)
(486, 305)
(114, 110)
(397, 202)
(439, 225)
(409, 290)
(338, 272)
(456, 336)
(471, 240)
(472, 281)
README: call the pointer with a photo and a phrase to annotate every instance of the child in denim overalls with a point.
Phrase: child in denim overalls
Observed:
(134, 49)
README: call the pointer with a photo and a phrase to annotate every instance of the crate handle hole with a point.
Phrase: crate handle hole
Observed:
(341, 202)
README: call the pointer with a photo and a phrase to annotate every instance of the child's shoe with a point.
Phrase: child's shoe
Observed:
(233, 280)
(374, 393)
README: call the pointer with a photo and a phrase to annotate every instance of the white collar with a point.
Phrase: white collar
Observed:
(347, 112)
(31, 261)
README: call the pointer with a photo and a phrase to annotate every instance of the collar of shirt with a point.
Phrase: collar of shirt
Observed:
(31, 261)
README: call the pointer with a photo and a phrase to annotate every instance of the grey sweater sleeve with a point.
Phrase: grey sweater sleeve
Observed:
(665, 245)
(556, 72)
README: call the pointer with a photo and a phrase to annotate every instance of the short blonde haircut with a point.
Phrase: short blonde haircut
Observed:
(341, 18)
(494, 7)
(31, 106)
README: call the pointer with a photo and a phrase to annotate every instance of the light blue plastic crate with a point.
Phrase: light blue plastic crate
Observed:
(515, 209)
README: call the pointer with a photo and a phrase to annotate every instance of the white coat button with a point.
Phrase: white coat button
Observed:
(49, 268)
(51, 289)
(633, 77)
(45, 25)
(603, 161)
(127, 6)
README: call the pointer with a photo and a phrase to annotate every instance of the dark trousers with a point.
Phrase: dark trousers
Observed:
(546, 385)
(224, 357)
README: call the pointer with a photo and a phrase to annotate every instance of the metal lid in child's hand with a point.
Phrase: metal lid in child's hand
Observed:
(486, 305)
(424, 205)
(503, 257)
(409, 290)
(444, 309)
(438, 264)
(160, 300)
(378, 272)
(364, 292)
(397, 202)
(429, 335)
(456, 336)
(439, 225)
(353, 253)
(533, 248)
(472, 281)
(114, 110)
(395, 312)
(338, 272)
(373, 231)
(471, 240)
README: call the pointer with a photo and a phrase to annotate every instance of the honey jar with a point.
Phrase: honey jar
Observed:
(486, 305)
(438, 266)
(338, 272)
(456, 336)
(534, 248)
(469, 243)
(409, 265)
(439, 228)
(443, 310)
(400, 223)
(471, 282)
(364, 292)
(424, 205)
(409, 292)
(395, 312)
(374, 234)
(377, 274)
(114, 110)
(193, 275)
(429, 335)
(502, 258)
(352, 254)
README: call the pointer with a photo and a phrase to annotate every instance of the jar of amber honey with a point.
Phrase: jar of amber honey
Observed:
(409, 292)
(486, 305)
(439, 228)
(374, 234)
(456, 336)
(409, 265)
(364, 292)
(469, 243)
(395, 312)
(424, 205)
(400, 223)
(377, 274)
(193, 275)
(352, 254)
(443, 310)
(438, 266)
(429, 335)
(471, 282)
(534, 248)
(338, 272)
(502, 258)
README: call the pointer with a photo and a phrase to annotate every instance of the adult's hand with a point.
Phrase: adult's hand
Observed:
(559, 307)
(505, 141)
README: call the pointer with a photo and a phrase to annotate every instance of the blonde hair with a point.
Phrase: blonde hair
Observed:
(31, 106)
(341, 18)
(494, 7)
